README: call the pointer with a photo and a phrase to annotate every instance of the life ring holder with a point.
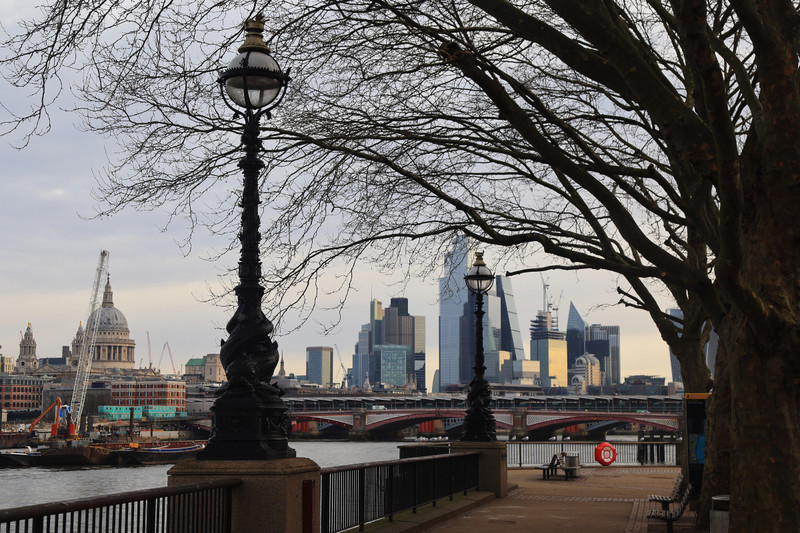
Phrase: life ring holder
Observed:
(605, 454)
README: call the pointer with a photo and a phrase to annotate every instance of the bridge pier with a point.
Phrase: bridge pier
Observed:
(519, 417)
(308, 430)
(597, 435)
(359, 430)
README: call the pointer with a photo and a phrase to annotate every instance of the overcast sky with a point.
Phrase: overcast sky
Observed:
(49, 250)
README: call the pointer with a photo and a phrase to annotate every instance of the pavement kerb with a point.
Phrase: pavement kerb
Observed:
(428, 516)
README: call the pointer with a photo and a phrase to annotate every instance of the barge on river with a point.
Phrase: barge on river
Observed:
(103, 455)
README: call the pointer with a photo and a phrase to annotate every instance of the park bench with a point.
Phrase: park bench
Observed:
(673, 496)
(549, 469)
(672, 516)
(570, 471)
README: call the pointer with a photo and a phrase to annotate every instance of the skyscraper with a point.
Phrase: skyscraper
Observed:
(420, 372)
(398, 325)
(391, 327)
(674, 364)
(576, 336)
(501, 329)
(510, 334)
(375, 323)
(319, 365)
(364, 339)
(361, 358)
(549, 347)
(391, 364)
(604, 343)
(453, 294)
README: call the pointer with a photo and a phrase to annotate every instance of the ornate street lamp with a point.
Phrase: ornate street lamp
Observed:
(249, 417)
(479, 423)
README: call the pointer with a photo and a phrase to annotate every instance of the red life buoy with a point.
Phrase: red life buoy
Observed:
(605, 454)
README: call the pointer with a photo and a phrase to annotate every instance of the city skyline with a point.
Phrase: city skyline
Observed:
(53, 327)
(291, 346)
(457, 321)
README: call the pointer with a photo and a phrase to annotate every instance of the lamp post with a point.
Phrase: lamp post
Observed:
(479, 423)
(249, 417)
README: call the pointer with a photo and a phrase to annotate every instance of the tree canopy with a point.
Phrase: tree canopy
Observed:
(405, 122)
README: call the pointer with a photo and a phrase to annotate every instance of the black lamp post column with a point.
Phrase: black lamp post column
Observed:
(479, 422)
(250, 419)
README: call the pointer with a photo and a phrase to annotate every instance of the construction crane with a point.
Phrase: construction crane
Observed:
(83, 363)
(171, 360)
(57, 405)
(345, 374)
(149, 353)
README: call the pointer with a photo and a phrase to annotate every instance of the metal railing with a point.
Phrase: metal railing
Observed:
(354, 495)
(193, 508)
(522, 454)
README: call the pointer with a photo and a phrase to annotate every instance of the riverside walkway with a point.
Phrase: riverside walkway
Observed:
(600, 500)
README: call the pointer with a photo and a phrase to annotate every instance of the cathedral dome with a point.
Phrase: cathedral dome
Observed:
(112, 349)
(111, 318)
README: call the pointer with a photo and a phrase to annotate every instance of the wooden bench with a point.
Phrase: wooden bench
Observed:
(674, 496)
(550, 469)
(569, 471)
(672, 516)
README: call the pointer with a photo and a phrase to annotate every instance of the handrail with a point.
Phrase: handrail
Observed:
(354, 466)
(353, 495)
(533, 453)
(82, 504)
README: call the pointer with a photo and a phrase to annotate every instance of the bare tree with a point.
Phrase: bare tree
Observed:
(654, 139)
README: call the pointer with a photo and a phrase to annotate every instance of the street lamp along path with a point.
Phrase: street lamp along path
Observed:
(249, 417)
(479, 422)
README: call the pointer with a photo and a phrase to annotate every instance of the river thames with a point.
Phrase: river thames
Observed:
(29, 486)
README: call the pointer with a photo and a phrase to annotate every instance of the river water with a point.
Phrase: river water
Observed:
(29, 486)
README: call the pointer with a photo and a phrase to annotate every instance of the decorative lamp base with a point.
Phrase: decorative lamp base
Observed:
(479, 425)
(248, 427)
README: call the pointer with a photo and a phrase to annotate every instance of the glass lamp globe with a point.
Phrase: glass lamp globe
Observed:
(253, 79)
(479, 278)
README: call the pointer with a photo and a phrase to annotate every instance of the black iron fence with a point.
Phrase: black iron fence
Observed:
(522, 454)
(193, 508)
(354, 495)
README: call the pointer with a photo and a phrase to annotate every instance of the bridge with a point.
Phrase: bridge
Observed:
(537, 417)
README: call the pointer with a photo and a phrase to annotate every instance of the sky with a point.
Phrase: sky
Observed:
(49, 249)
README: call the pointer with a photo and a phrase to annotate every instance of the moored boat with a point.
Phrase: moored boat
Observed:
(158, 455)
(16, 459)
(76, 456)
(72, 454)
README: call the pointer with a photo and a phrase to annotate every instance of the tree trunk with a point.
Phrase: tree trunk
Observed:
(717, 470)
(694, 372)
(765, 433)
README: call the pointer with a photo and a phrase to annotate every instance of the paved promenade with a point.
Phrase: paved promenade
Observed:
(600, 500)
